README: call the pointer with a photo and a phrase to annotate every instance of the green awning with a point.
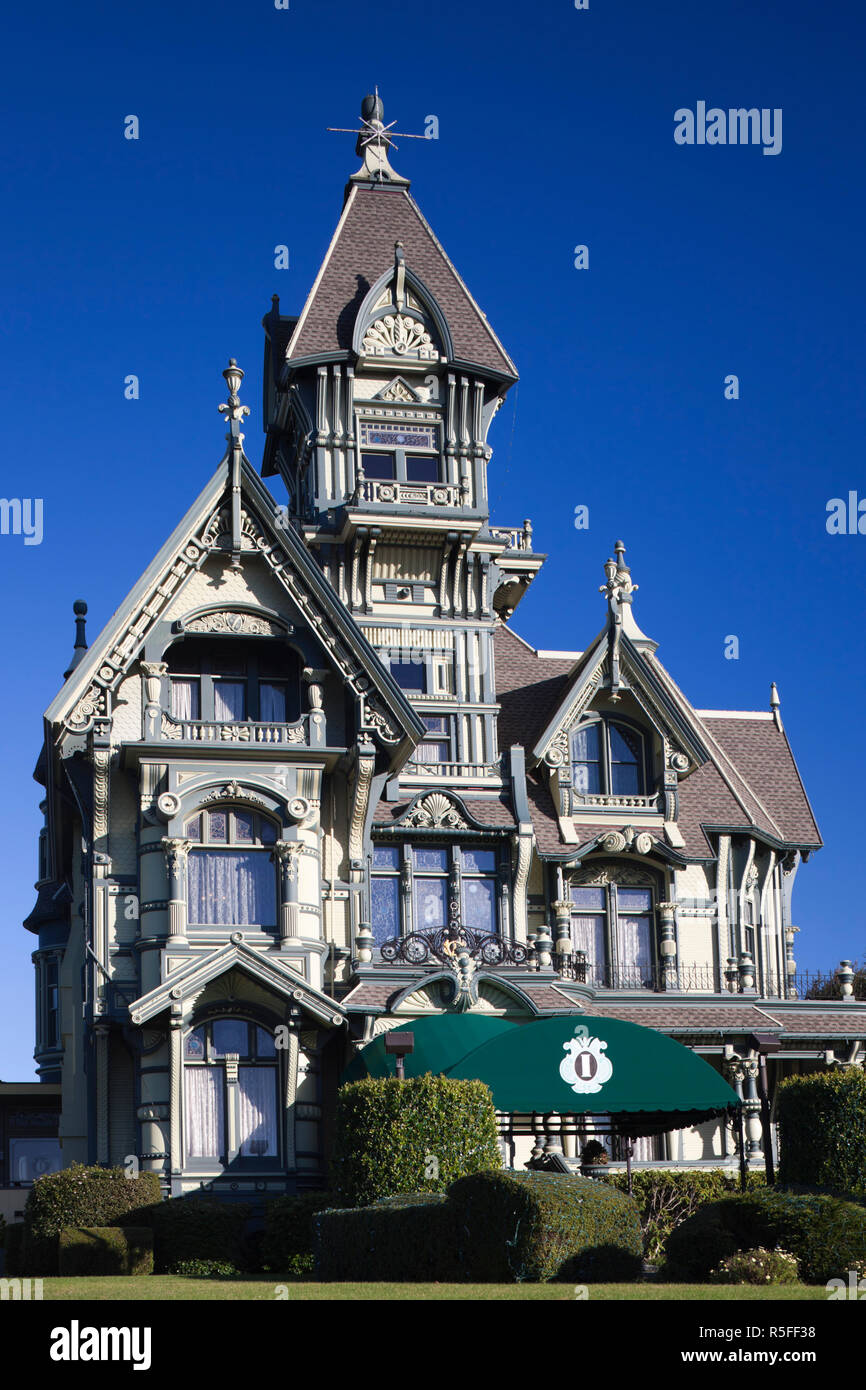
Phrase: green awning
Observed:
(578, 1064)
(440, 1042)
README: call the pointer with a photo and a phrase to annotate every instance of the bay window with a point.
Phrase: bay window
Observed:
(230, 1092)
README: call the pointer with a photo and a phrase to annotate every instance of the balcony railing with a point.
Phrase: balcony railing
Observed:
(222, 731)
(584, 801)
(443, 946)
(516, 537)
(408, 494)
(437, 769)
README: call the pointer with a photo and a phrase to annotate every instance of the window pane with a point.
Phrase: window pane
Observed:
(422, 470)
(218, 826)
(432, 752)
(204, 1112)
(229, 700)
(410, 675)
(257, 1094)
(431, 907)
(589, 897)
(634, 899)
(272, 702)
(587, 935)
(479, 861)
(585, 745)
(185, 699)
(232, 888)
(624, 745)
(192, 829)
(386, 909)
(386, 857)
(243, 826)
(380, 467)
(634, 945)
(479, 904)
(231, 1035)
(265, 1044)
(194, 1048)
(431, 860)
(626, 779)
(434, 724)
(267, 832)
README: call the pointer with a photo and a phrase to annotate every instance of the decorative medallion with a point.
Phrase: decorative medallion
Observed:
(399, 335)
(585, 1069)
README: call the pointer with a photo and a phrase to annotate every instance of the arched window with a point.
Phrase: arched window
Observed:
(231, 874)
(230, 1092)
(215, 679)
(607, 759)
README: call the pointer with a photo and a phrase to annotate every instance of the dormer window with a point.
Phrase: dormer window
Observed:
(400, 453)
(233, 681)
(608, 759)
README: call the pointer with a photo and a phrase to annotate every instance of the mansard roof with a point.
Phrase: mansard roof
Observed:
(362, 248)
(122, 639)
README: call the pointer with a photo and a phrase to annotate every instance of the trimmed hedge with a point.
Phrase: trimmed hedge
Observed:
(517, 1226)
(410, 1238)
(411, 1136)
(92, 1250)
(826, 1234)
(81, 1196)
(287, 1244)
(666, 1199)
(822, 1129)
(198, 1228)
(14, 1247)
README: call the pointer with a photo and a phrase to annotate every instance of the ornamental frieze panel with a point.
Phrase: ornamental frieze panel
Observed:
(399, 335)
(235, 622)
(435, 812)
(601, 875)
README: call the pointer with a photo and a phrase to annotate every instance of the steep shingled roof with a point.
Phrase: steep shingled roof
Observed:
(361, 249)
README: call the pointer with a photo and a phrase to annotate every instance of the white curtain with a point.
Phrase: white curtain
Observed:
(257, 1088)
(204, 1104)
(184, 699)
(635, 949)
(272, 703)
(228, 700)
(231, 888)
(587, 935)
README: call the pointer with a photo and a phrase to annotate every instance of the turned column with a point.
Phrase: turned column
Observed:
(175, 857)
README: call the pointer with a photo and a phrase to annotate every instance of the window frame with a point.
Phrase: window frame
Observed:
(611, 973)
(605, 762)
(213, 1061)
(401, 455)
(455, 874)
(257, 844)
(253, 676)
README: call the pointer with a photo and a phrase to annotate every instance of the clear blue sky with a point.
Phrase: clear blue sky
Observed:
(156, 257)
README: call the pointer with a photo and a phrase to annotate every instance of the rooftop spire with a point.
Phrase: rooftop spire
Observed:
(79, 608)
(234, 413)
(776, 706)
(373, 143)
(618, 591)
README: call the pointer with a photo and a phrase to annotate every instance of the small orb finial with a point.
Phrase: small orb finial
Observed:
(233, 410)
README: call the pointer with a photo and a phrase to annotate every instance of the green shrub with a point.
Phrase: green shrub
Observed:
(88, 1250)
(81, 1196)
(411, 1136)
(14, 1246)
(287, 1246)
(410, 1238)
(757, 1267)
(826, 1234)
(666, 1199)
(205, 1269)
(543, 1226)
(822, 1130)
(192, 1228)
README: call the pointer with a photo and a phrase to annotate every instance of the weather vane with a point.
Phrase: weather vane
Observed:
(374, 140)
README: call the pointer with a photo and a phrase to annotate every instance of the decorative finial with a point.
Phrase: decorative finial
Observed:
(233, 410)
(79, 608)
(618, 591)
(374, 141)
(619, 587)
(776, 706)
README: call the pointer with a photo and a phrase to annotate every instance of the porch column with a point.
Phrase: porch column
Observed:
(101, 1044)
(176, 1058)
(668, 945)
(286, 853)
(153, 676)
(562, 928)
(175, 857)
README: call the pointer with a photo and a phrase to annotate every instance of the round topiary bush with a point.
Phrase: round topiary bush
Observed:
(822, 1130)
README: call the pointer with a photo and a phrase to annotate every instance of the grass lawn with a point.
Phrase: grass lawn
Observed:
(161, 1287)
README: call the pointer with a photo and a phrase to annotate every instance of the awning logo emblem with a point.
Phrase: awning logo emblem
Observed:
(586, 1068)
